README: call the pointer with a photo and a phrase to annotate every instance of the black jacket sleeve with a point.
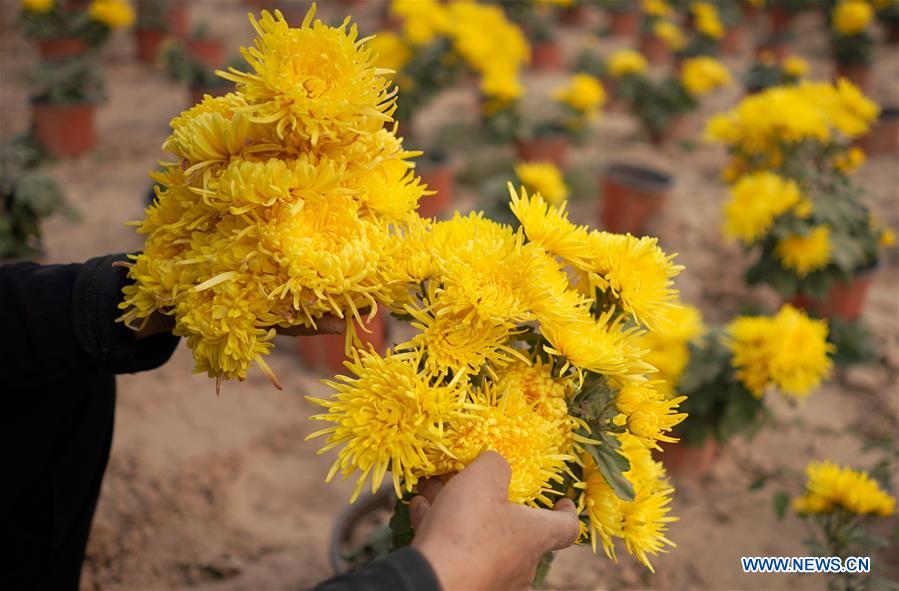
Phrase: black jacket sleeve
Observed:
(404, 570)
(59, 320)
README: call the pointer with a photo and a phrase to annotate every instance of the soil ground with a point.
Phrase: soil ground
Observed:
(223, 493)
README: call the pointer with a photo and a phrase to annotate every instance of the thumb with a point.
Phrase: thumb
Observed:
(418, 510)
(558, 527)
(489, 472)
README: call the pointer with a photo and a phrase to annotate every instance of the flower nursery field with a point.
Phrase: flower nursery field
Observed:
(223, 493)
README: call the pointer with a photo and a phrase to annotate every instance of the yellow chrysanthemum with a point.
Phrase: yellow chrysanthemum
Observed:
(852, 16)
(830, 487)
(670, 33)
(795, 66)
(668, 347)
(315, 81)
(543, 178)
(388, 416)
(534, 446)
(549, 227)
(584, 94)
(648, 414)
(38, 6)
(389, 50)
(807, 253)
(789, 350)
(422, 20)
(115, 14)
(706, 20)
(626, 62)
(641, 523)
(658, 8)
(703, 74)
(847, 162)
(756, 200)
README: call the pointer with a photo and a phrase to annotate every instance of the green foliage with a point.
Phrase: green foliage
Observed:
(68, 82)
(401, 523)
(184, 69)
(761, 76)
(717, 405)
(27, 197)
(781, 504)
(590, 61)
(853, 341)
(152, 14)
(543, 567)
(431, 69)
(61, 22)
(655, 103)
(854, 50)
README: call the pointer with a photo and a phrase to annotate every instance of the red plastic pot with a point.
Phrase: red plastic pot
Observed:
(654, 49)
(198, 92)
(781, 19)
(207, 51)
(547, 56)
(691, 461)
(623, 23)
(149, 42)
(858, 74)
(64, 130)
(631, 196)
(177, 19)
(575, 16)
(550, 148)
(884, 135)
(733, 41)
(66, 47)
(844, 300)
(441, 179)
(326, 352)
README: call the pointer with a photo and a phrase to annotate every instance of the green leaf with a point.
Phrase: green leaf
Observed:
(401, 524)
(781, 502)
(612, 465)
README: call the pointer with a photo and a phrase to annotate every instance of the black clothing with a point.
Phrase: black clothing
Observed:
(60, 349)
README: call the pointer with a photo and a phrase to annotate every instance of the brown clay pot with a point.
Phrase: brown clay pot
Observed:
(149, 42)
(325, 352)
(733, 41)
(441, 179)
(547, 56)
(631, 196)
(858, 74)
(64, 130)
(692, 461)
(210, 52)
(575, 16)
(198, 92)
(777, 46)
(66, 47)
(844, 300)
(780, 19)
(623, 23)
(892, 36)
(550, 148)
(884, 135)
(679, 129)
(654, 49)
(177, 18)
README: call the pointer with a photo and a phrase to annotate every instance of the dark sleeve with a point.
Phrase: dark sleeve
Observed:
(404, 570)
(58, 320)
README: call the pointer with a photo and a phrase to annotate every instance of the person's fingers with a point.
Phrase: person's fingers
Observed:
(418, 509)
(325, 325)
(489, 472)
(430, 488)
(558, 528)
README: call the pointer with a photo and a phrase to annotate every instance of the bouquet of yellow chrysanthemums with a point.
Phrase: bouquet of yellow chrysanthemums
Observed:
(792, 197)
(527, 342)
(283, 202)
(726, 372)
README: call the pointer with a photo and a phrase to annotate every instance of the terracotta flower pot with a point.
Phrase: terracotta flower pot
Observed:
(207, 51)
(692, 461)
(149, 42)
(439, 177)
(679, 129)
(858, 74)
(631, 196)
(892, 36)
(654, 49)
(177, 19)
(884, 135)
(734, 40)
(547, 56)
(575, 16)
(66, 47)
(64, 130)
(780, 19)
(326, 352)
(198, 92)
(624, 23)
(550, 148)
(844, 300)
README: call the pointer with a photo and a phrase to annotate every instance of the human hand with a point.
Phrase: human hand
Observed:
(158, 323)
(475, 538)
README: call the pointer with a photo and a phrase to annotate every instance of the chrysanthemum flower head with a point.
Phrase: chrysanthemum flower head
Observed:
(625, 62)
(584, 94)
(703, 74)
(670, 33)
(756, 200)
(114, 14)
(831, 487)
(543, 178)
(805, 253)
(648, 414)
(851, 16)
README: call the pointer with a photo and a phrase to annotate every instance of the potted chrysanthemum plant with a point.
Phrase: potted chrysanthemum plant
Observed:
(793, 199)
(198, 77)
(853, 43)
(839, 507)
(623, 70)
(768, 71)
(658, 32)
(888, 16)
(727, 372)
(662, 106)
(622, 18)
(63, 30)
(157, 21)
(64, 97)
(28, 195)
(708, 30)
